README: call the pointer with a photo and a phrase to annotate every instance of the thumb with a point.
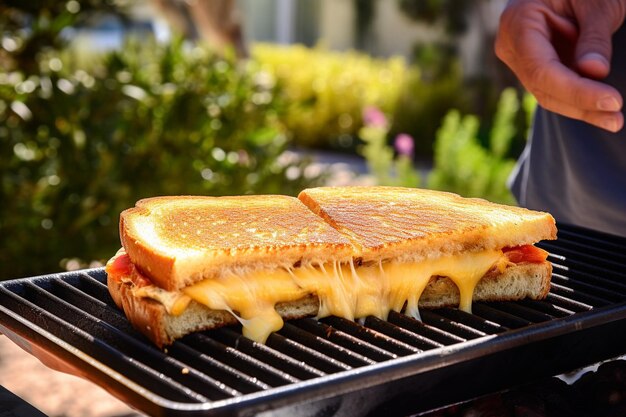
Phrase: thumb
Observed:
(594, 47)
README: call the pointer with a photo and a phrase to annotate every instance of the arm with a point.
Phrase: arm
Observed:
(561, 50)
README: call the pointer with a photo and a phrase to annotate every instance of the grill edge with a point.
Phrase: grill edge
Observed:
(322, 367)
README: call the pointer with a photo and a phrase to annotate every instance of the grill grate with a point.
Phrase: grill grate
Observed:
(324, 362)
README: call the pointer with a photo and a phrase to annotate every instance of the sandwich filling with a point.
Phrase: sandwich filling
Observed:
(343, 290)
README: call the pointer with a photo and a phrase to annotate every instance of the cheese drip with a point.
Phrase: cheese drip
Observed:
(252, 296)
(343, 290)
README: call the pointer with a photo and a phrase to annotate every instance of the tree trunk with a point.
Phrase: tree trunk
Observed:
(217, 22)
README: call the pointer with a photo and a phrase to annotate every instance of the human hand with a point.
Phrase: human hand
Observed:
(560, 50)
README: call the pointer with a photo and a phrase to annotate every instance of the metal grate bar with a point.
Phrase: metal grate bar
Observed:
(477, 323)
(173, 370)
(591, 237)
(522, 312)
(242, 362)
(547, 307)
(401, 334)
(325, 347)
(572, 294)
(393, 346)
(264, 353)
(209, 365)
(184, 354)
(101, 351)
(345, 340)
(588, 288)
(618, 287)
(585, 254)
(564, 263)
(431, 332)
(304, 354)
(94, 285)
(459, 329)
(508, 320)
(603, 247)
(85, 302)
(567, 303)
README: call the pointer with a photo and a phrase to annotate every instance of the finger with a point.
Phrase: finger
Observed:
(554, 79)
(519, 24)
(531, 54)
(610, 121)
(562, 91)
(594, 65)
(594, 47)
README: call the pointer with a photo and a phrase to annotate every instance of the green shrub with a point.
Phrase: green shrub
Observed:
(327, 91)
(424, 101)
(76, 148)
(387, 166)
(464, 166)
(30, 28)
(461, 163)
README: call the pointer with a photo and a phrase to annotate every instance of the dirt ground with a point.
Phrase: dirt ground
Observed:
(54, 393)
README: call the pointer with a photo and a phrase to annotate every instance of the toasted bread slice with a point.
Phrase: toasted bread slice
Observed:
(177, 241)
(339, 237)
(150, 317)
(414, 224)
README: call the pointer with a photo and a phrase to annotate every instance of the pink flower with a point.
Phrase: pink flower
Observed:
(404, 144)
(373, 117)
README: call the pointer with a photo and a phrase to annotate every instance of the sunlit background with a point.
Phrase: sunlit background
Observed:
(104, 102)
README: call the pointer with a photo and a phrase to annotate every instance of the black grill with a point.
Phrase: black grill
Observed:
(334, 366)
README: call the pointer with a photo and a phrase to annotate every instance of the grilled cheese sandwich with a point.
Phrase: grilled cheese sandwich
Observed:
(320, 262)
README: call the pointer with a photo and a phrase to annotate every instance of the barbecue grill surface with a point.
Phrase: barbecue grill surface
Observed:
(333, 366)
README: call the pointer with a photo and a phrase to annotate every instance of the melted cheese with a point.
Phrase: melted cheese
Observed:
(174, 302)
(343, 290)
(252, 296)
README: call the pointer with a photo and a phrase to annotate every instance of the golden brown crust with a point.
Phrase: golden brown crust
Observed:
(157, 264)
(147, 316)
(177, 241)
(396, 222)
(180, 240)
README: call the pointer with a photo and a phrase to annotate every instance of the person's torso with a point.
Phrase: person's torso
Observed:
(574, 170)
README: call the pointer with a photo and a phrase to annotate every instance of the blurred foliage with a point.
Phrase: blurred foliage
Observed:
(440, 85)
(451, 13)
(464, 165)
(31, 28)
(378, 155)
(425, 100)
(387, 166)
(326, 91)
(77, 147)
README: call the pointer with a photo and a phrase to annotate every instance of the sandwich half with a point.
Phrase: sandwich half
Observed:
(438, 249)
(196, 263)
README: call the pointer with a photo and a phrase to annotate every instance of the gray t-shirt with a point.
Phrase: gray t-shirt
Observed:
(575, 171)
